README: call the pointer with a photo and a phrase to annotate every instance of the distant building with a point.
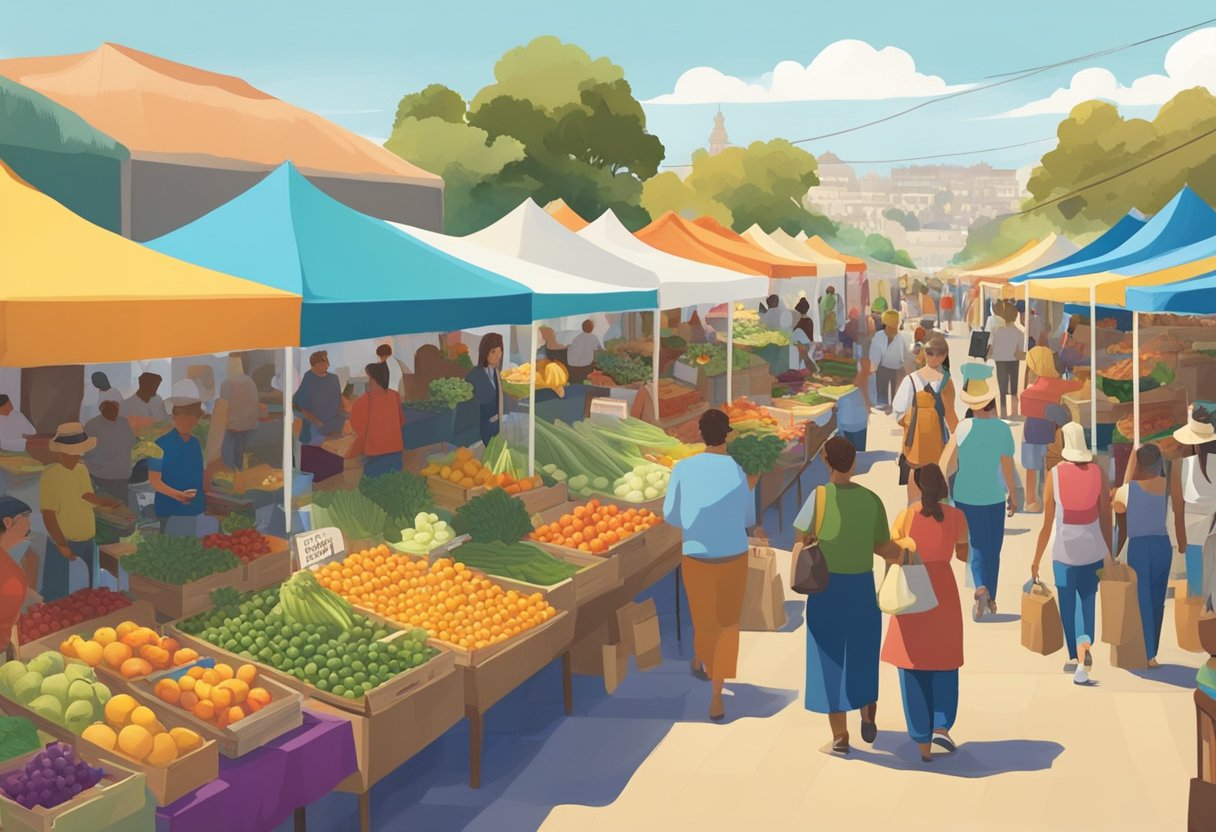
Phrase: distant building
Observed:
(718, 140)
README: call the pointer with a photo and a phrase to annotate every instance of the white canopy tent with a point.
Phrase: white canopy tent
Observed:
(825, 266)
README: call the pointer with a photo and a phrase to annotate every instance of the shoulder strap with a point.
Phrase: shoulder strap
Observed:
(821, 495)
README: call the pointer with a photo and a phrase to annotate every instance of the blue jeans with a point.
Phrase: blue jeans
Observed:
(986, 530)
(56, 569)
(1194, 569)
(374, 466)
(930, 701)
(1150, 557)
(1078, 587)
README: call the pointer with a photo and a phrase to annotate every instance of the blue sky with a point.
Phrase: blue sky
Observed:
(352, 61)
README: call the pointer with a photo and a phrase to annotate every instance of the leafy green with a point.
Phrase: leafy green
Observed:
(356, 515)
(402, 495)
(225, 596)
(717, 358)
(494, 516)
(177, 560)
(623, 368)
(235, 522)
(756, 454)
(450, 391)
(17, 736)
(518, 561)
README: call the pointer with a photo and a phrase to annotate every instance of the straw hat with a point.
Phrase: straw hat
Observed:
(1042, 362)
(978, 389)
(1197, 432)
(890, 318)
(72, 440)
(184, 392)
(1076, 449)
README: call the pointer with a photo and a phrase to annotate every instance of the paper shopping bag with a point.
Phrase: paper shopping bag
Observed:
(1187, 611)
(1042, 629)
(1120, 607)
(763, 601)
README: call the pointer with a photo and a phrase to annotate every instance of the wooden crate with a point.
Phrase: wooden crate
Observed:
(283, 714)
(599, 573)
(269, 569)
(543, 499)
(627, 552)
(182, 601)
(490, 678)
(119, 795)
(141, 612)
(449, 495)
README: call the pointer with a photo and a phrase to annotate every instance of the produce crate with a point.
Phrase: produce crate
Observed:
(140, 612)
(269, 569)
(449, 495)
(489, 677)
(373, 702)
(119, 795)
(283, 714)
(167, 784)
(627, 553)
(542, 499)
(599, 574)
(184, 600)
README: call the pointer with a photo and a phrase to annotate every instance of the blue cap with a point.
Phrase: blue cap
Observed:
(974, 371)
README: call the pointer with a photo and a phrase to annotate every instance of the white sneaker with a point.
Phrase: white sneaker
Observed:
(1081, 677)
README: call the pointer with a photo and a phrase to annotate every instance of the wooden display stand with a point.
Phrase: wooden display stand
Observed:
(184, 600)
(120, 794)
(140, 612)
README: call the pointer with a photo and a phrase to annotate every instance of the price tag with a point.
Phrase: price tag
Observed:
(609, 407)
(317, 547)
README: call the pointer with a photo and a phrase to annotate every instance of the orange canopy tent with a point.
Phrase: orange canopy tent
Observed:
(676, 236)
(567, 216)
(851, 263)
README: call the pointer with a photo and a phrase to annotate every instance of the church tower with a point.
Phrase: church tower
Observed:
(718, 140)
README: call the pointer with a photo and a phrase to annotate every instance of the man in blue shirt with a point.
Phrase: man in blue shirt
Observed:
(319, 400)
(178, 477)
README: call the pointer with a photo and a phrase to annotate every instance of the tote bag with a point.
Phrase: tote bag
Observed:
(907, 586)
(809, 568)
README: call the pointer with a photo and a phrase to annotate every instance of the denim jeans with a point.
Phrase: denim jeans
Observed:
(56, 568)
(1078, 589)
(930, 701)
(1150, 557)
(986, 530)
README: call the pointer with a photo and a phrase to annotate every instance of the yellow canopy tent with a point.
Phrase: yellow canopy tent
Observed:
(71, 293)
(1110, 288)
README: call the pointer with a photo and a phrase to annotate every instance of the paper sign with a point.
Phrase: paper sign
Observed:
(316, 547)
(610, 407)
(684, 372)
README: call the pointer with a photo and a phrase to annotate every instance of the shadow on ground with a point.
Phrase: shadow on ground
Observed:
(1177, 675)
(972, 760)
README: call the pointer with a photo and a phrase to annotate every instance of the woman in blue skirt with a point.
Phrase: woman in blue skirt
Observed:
(844, 626)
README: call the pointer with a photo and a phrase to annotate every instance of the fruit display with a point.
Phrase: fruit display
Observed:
(746, 417)
(453, 603)
(345, 662)
(65, 693)
(1152, 425)
(467, 471)
(751, 333)
(712, 358)
(128, 649)
(247, 544)
(594, 527)
(494, 517)
(517, 561)
(53, 776)
(427, 534)
(756, 454)
(622, 369)
(177, 560)
(550, 375)
(133, 730)
(83, 605)
(219, 695)
(647, 481)
(1123, 370)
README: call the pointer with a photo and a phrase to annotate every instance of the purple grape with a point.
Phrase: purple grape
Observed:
(60, 764)
(76, 789)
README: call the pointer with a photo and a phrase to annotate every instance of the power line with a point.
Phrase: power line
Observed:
(946, 155)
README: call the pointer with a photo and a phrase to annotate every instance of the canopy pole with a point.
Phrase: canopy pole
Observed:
(654, 367)
(730, 351)
(1026, 334)
(1136, 380)
(532, 350)
(1093, 368)
(288, 436)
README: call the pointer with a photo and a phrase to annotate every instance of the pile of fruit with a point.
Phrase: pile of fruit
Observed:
(751, 333)
(467, 471)
(647, 481)
(551, 375)
(83, 605)
(517, 561)
(427, 534)
(65, 694)
(246, 544)
(221, 695)
(1123, 370)
(54, 776)
(344, 660)
(177, 560)
(450, 601)
(595, 527)
(128, 649)
(132, 730)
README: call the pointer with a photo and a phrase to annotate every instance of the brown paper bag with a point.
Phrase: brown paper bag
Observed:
(639, 627)
(1120, 606)
(1042, 630)
(1187, 611)
(616, 665)
(763, 601)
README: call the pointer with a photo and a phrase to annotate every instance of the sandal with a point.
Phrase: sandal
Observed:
(698, 670)
(980, 605)
(838, 747)
(869, 728)
(942, 739)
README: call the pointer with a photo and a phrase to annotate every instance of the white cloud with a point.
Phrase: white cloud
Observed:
(847, 70)
(1190, 62)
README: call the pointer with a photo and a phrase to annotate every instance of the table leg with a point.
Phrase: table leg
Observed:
(567, 684)
(301, 821)
(365, 812)
(679, 627)
(477, 724)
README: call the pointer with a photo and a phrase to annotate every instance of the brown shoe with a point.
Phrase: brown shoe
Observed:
(717, 710)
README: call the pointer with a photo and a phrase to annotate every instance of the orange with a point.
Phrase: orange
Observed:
(204, 710)
(132, 668)
(189, 700)
(183, 655)
(115, 653)
(168, 691)
(247, 673)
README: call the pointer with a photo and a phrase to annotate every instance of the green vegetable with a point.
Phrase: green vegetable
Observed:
(495, 516)
(749, 333)
(430, 405)
(17, 736)
(357, 516)
(224, 596)
(402, 495)
(177, 560)
(304, 601)
(743, 360)
(623, 368)
(450, 391)
(756, 454)
(235, 522)
(518, 561)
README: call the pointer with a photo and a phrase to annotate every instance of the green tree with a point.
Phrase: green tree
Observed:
(435, 101)
(908, 220)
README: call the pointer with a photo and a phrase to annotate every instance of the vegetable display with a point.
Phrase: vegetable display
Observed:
(518, 561)
(347, 663)
(358, 517)
(622, 368)
(128, 649)
(493, 517)
(595, 457)
(247, 544)
(54, 776)
(453, 603)
(177, 560)
(647, 481)
(65, 694)
(304, 601)
(756, 454)
(450, 392)
(594, 528)
(133, 731)
(714, 355)
(465, 470)
(749, 333)
(401, 494)
(17, 736)
(427, 534)
(748, 417)
(236, 522)
(84, 604)
(220, 695)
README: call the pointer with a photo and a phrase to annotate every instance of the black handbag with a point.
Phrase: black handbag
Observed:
(809, 571)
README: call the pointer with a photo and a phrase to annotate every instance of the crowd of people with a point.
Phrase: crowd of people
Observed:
(962, 487)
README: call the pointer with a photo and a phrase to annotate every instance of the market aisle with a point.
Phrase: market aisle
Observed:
(1120, 754)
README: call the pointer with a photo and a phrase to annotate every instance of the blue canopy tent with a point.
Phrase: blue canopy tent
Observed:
(1114, 237)
(1189, 297)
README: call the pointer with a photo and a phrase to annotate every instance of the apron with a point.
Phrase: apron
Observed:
(925, 433)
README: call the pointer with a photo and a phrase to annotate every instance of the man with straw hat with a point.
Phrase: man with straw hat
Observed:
(1195, 477)
(888, 355)
(66, 496)
(985, 489)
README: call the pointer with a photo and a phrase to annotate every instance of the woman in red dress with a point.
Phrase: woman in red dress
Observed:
(927, 647)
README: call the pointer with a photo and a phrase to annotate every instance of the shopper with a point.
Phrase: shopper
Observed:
(1141, 505)
(66, 497)
(1074, 352)
(319, 400)
(145, 406)
(581, 352)
(1076, 523)
(1046, 390)
(888, 355)
(178, 477)
(986, 486)
(843, 624)
(551, 348)
(927, 647)
(384, 354)
(829, 319)
(110, 461)
(14, 579)
(1008, 339)
(487, 387)
(946, 310)
(1195, 478)
(710, 500)
(15, 429)
(803, 337)
(378, 419)
(773, 316)
(924, 406)
(241, 394)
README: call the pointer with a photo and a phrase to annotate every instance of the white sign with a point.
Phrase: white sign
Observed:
(684, 372)
(316, 547)
(609, 407)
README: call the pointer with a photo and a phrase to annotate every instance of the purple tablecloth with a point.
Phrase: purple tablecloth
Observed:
(260, 790)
